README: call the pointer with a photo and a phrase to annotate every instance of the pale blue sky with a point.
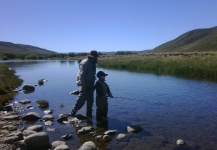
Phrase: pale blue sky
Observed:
(104, 25)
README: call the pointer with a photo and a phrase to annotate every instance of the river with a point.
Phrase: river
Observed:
(166, 107)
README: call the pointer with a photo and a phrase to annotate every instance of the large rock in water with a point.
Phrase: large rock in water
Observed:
(31, 116)
(28, 87)
(37, 141)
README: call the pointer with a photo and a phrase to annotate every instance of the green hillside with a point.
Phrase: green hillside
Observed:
(199, 40)
(21, 49)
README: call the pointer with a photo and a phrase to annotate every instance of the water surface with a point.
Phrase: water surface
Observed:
(167, 108)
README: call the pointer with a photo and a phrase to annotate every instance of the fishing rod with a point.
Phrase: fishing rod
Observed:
(76, 92)
(124, 98)
(132, 99)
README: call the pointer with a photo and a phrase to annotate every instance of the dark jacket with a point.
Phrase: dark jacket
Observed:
(102, 89)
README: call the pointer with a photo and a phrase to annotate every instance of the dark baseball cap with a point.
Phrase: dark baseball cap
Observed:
(93, 53)
(101, 73)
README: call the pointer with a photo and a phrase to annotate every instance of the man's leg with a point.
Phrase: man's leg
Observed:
(80, 102)
(89, 102)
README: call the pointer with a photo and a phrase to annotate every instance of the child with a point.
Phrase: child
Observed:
(102, 94)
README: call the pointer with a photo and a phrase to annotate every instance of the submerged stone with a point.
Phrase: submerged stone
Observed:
(180, 142)
(134, 129)
(66, 137)
(85, 130)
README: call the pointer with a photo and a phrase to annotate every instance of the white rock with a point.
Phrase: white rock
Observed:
(48, 112)
(110, 132)
(180, 142)
(121, 136)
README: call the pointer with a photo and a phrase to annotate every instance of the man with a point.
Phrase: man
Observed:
(85, 82)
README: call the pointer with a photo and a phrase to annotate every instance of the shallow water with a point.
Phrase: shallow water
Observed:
(167, 108)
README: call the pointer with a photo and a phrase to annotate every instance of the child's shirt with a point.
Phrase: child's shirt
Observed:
(102, 89)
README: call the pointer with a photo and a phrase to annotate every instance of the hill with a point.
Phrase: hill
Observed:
(21, 49)
(199, 40)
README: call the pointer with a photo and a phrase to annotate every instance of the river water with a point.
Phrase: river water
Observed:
(166, 107)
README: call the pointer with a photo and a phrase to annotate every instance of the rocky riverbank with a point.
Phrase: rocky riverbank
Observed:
(13, 135)
(16, 134)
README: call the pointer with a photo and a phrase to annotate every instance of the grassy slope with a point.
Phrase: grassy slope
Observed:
(8, 82)
(199, 40)
(18, 49)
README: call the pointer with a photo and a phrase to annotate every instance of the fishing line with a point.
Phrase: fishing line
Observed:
(133, 99)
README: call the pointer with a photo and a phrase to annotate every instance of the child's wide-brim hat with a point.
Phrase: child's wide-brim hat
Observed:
(101, 73)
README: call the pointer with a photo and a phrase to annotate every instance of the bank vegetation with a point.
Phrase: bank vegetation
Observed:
(197, 65)
(8, 82)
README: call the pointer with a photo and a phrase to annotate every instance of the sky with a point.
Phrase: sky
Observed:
(104, 25)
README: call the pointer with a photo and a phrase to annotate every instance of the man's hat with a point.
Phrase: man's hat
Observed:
(93, 54)
(101, 73)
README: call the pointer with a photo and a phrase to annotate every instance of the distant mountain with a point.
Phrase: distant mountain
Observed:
(200, 40)
(20, 49)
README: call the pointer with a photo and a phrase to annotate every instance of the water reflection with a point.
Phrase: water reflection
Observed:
(28, 91)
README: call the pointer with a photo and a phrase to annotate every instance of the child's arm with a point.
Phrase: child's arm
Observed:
(109, 93)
